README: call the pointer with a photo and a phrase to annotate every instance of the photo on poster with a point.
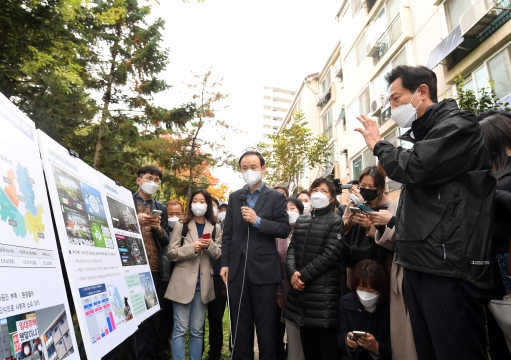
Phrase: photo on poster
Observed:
(120, 305)
(69, 189)
(40, 334)
(131, 250)
(123, 216)
(92, 200)
(85, 229)
(149, 292)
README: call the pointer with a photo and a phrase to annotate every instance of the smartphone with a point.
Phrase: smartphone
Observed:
(156, 212)
(206, 236)
(359, 334)
(365, 208)
(355, 210)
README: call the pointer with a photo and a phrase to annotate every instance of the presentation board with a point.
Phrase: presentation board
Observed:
(35, 321)
(111, 297)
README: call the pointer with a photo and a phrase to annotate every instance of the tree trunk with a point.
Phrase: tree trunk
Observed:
(192, 150)
(190, 177)
(106, 104)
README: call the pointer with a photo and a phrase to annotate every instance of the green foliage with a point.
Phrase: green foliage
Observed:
(41, 65)
(467, 99)
(57, 56)
(293, 151)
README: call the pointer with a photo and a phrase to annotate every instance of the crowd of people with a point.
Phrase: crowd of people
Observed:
(377, 278)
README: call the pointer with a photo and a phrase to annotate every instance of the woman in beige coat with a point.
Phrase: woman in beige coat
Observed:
(401, 337)
(191, 285)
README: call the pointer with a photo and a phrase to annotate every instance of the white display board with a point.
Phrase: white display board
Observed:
(127, 237)
(35, 321)
(110, 298)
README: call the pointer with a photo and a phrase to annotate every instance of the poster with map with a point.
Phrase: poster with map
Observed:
(111, 300)
(29, 259)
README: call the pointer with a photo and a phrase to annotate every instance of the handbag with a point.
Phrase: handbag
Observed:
(501, 309)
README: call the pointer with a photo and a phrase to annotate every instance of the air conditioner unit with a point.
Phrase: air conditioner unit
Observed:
(375, 109)
(372, 47)
(477, 18)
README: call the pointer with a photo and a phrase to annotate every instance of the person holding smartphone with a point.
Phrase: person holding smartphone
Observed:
(191, 285)
(364, 314)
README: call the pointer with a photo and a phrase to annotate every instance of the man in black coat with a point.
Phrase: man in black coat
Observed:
(443, 222)
(256, 215)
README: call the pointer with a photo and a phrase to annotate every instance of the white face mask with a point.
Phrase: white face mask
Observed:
(221, 216)
(149, 188)
(367, 299)
(215, 211)
(199, 209)
(405, 115)
(306, 207)
(26, 350)
(252, 177)
(293, 215)
(319, 200)
(173, 220)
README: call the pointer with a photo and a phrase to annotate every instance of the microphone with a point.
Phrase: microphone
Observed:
(243, 200)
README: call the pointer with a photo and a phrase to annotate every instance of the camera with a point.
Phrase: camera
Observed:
(340, 187)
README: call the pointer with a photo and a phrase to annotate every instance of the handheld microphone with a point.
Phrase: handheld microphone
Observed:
(243, 200)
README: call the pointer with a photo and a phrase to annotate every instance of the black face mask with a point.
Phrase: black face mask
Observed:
(368, 194)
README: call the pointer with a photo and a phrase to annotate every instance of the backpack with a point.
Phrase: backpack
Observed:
(184, 232)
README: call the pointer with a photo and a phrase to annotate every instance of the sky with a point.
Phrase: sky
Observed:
(249, 44)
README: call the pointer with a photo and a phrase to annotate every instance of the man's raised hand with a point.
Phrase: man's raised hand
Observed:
(370, 132)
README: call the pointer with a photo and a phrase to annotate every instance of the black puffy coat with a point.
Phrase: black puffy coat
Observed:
(315, 251)
(445, 212)
(502, 227)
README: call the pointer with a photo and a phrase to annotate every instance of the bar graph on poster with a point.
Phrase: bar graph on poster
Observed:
(102, 248)
(35, 320)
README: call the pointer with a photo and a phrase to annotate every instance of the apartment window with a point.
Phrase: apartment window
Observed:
(360, 50)
(499, 72)
(357, 4)
(351, 65)
(364, 101)
(266, 127)
(380, 24)
(351, 113)
(400, 58)
(275, 128)
(325, 84)
(496, 69)
(328, 119)
(453, 10)
(362, 161)
(385, 17)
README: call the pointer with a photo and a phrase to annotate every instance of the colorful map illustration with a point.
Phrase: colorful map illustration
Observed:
(17, 204)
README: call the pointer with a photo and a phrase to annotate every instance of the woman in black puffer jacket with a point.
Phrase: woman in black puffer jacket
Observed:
(313, 266)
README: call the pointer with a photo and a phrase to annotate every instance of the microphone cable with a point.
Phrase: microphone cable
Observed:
(233, 342)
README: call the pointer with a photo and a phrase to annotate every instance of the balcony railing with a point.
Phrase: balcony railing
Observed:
(389, 37)
(323, 100)
(455, 48)
(504, 14)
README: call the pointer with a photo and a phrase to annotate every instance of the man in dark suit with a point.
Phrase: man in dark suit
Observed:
(250, 262)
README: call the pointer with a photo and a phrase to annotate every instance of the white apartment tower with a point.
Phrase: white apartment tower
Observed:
(276, 104)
